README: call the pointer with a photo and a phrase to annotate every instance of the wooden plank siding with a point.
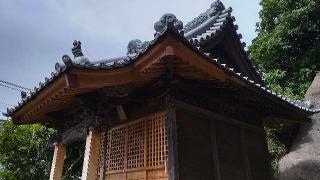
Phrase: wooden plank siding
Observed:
(211, 147)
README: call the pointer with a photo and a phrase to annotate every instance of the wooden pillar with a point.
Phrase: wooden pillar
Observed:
(173, 165)
(91, 156)
(215, 155)
(57, 161)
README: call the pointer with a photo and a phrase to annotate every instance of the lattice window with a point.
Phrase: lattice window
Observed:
(135, 145)
(102, 155)
(157, 140)
(117, 149)
(138, 144)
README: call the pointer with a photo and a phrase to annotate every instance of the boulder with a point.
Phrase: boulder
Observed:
(303, 160)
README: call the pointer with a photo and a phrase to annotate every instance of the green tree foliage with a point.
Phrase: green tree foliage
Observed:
(288, 44)
(287, 49)
(26, 153)
(74, 161)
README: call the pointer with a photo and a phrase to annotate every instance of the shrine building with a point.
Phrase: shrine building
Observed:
(189, 104)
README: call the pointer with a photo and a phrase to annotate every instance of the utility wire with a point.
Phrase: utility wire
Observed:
(3, 103)
(14, 85)
(3, 107)
(11, 87)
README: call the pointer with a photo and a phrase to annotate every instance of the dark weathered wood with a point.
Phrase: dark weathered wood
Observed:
(208, 114)
(230, 153)
(194, 146)
(245, 155)
(257, 156)
(214, 149)
(173, 169)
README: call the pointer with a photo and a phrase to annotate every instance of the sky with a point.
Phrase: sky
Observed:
(35, 34)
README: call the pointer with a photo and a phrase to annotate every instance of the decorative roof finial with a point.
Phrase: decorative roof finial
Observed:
(23, 94)
(216, 7)
(164, 21)
(67, 60)
(136, 46)
(76, 50)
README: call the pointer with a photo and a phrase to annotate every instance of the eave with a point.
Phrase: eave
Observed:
(148, 66)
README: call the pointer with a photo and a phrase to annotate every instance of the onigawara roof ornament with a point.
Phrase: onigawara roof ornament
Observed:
(79, 58)
(136, 46)
(76, 50)
(23, 94)
(67, 60)
(216, 6)
(161, 25)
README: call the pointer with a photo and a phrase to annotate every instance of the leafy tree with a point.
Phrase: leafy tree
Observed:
(287, 49)
(26, 153)
(288, 44)
(74, 161)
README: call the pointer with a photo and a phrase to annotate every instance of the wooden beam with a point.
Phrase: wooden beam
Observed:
(121, 113)
(173, 165)
(57, 161)
(210, 114)
(71, 80)
(41, 97)
(91, 156)
(271, 120)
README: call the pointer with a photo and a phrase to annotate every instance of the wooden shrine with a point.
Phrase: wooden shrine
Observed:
(189, 104)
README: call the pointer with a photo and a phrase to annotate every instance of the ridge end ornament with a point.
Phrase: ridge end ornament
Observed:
(76, 50)
(165, 21)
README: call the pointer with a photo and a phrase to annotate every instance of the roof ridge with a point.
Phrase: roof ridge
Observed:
(171, 25)
(216, 7)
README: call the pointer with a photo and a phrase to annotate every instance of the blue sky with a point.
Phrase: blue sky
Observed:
(35, 34)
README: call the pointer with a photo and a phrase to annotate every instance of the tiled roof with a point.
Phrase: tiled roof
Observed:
(196, 33)
(209, 28)
(212, 26)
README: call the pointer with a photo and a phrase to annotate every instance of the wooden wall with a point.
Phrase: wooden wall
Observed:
(212, 148)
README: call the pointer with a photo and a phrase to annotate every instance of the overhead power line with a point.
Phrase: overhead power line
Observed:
(14, 85)
(11, 87)
(6, 104)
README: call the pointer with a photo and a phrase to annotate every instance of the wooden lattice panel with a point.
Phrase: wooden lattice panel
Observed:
(138, 146)
(102, 155)
(117, 149)
(157, 140)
